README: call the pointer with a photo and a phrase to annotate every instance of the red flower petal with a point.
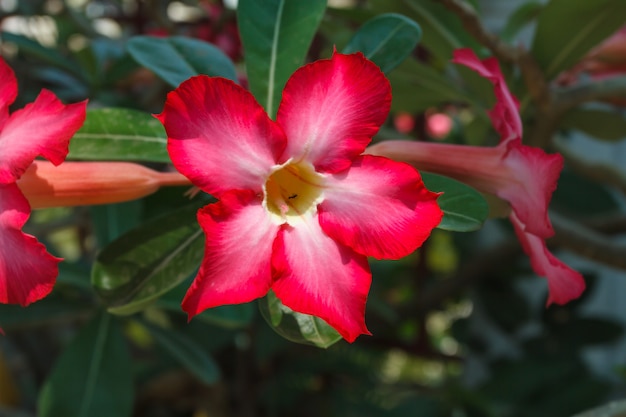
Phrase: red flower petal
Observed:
(48, 125)
(8, 90)
(533, 178)
(379, 208)
(318, 276)
(219, 136)
(331, 108)
(27, 271)
(504, 116)
(237, 257)
(564, 283)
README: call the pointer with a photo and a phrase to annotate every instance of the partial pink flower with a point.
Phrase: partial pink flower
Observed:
(522, 175)
(300, 208)
(42, 128)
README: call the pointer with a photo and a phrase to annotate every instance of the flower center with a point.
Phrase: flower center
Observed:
(293, 190)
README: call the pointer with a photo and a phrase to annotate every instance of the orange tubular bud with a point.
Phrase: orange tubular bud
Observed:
(91, 183)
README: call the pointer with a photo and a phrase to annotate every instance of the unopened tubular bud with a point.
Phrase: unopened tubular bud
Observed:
(91, 183)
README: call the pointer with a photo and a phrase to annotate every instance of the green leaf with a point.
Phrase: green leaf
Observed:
(116, 134)
(297, 327)
(433, 87)
(145, 263)
(190, 354)
(598, 197)
(599, 123)
(52, 308)
(49, 55)
(228, 316)
(464, 209)
(524, 15)
(93, 377)
(442, 29)
(176, 58)
(568, 29)
(276, 35)
(387, 40)
(110, 221)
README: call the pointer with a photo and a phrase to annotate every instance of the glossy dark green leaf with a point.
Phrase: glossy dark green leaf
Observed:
(190, 354)
(568, 29)
(464, 208)
(148, 261)
(276, 35)
(176, 58)
(522, 16)
(387, 40)
(115, 134)
(297, 327)
(599, 123)
(93, 376)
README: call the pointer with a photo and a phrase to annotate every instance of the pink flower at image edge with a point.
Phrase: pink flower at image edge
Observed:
(299, 207)
(42, 128)
(522, 175)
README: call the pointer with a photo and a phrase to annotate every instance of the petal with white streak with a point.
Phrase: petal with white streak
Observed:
(27, 271)
(44, 128)
(237, 259)
(316, 275)
(331, 108)
(564, 283)
(379, 208)
(219, 136)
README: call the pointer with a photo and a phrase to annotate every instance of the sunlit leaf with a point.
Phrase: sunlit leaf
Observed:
(387, 40)
(93, 376)
(276, 35)
(115, 134)
(176, 58)
(464, 208)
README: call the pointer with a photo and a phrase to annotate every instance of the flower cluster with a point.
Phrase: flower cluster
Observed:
(523, 176)
(300, 208)
(42, 128)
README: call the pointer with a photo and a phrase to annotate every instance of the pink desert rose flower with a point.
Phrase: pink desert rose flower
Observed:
(523, 176)
(300, 208)
(42, 128)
